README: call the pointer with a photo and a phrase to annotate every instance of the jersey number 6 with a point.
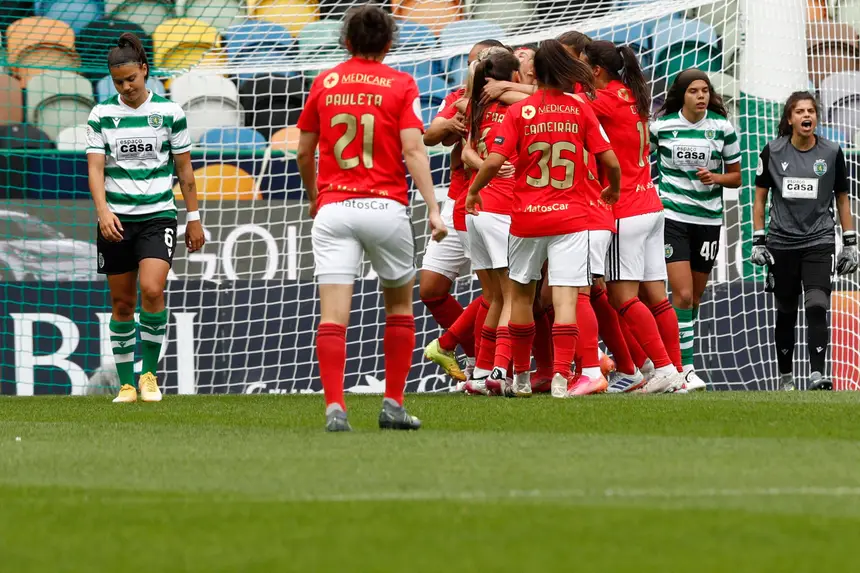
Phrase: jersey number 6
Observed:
(367, 124)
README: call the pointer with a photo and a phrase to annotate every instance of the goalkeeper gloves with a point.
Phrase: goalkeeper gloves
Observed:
(849, 258)
(760, 255)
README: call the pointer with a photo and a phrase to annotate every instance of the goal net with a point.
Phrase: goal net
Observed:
(243, 311)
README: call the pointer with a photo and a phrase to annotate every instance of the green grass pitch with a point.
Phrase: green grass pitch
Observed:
(722, 482)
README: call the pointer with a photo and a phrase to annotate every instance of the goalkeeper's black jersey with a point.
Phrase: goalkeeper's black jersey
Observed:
(802, 185)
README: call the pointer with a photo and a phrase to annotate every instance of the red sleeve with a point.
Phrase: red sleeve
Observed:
(449, 112)
(505, 142)
(309, 120)
(603, 105)
(410, 115)
(596, 140)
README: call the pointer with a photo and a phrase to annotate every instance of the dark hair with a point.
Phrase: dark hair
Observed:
(556, 68)
(489, 44)
(368, 30)
(576, 40)
(621, 64)
(792, 101)
(498, 66)
(128, 50)
(675, 96)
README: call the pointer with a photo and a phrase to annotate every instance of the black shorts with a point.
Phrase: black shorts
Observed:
(799, 270)
(698, 244)
(150, 239)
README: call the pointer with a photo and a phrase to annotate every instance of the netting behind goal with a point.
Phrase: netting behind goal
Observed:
(244, 310)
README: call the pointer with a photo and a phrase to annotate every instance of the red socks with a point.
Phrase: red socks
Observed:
(586, 349)
(331, 356)
(563, 345)
(444, 309)
(462, 332)
(667, 324)
(487, 351)
(522, 336)
(610, 331)
(398, 344)
(641, 323)
(503, 348)
(636, 353)
(542, 345)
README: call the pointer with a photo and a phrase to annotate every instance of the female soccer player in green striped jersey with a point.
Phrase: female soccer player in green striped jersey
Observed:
(135, 141)
(694, 141)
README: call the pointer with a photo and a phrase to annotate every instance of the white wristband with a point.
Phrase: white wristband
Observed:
(192, 216)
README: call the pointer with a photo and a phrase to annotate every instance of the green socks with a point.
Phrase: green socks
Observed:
(686, 326)
(153, 325)
(122, 338)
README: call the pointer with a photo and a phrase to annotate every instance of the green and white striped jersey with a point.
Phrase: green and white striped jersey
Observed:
(682, 148)
(139, 145)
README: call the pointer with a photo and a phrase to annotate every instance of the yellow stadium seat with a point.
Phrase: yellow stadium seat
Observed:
(286, 140)
(435, 14)
(41, 42)
(222, 181)
(182, 42)
(291, 14)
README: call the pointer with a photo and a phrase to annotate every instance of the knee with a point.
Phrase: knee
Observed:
(433, 286)
(816, 300)
(683, 298)
(151, 293)
(786, 306)
(123, 308)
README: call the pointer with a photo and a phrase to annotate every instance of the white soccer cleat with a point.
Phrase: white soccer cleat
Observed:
(662, 383)
(648, 370)
(522, 386)
(558, 386)
(692, 382)
(620, 382)
(478, 387)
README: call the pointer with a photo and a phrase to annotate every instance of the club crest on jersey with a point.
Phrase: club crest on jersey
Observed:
(529, 111)
(819, 167)
(331, 80)
(624, 94)
(101, 261)
(669, 250)
(155, 120)
(710, 134)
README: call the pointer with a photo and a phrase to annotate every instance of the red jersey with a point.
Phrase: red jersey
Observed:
(498, 195)
(459, 177)
(550, 132)
(628, 132)
(358, 108)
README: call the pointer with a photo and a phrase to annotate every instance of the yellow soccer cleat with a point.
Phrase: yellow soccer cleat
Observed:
(446, 360)
(127, 395)
(149, 391)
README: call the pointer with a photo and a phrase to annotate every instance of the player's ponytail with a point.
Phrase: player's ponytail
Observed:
(788, 109)
(556, 69)
(496, 64)
(128, 50)
(368, 31)
(674, 101)
(620, 64)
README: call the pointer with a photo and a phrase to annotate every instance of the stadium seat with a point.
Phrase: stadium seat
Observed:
(106, 89)
(637, 36)
(834, 134)
(271, 102)
(73, 138)
(222, 182)
(510, 15)
(336, 9)
(180, 43)
(286, 140)
(465, 33)
(220, 14)
(58, 99)
(76, 13)
(257, 42)
(147, 14)
(233, 138)
(13, 10)
(208, 100)
(831, 48)
(839, 95)
(11, 100)
(34, 44)
(435, 14)
(730, 42)
(98, 37)
(718, 16)
(816, 11)
(320, 41)
(14, 168)
(293, 15)
(412, 37)
(680, 44)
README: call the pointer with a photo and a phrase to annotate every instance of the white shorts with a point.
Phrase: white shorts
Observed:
(464, 240)
(568, 259)
(488, 240)
(598, 245)
(447, 257)
(344, 231)
(637, 251)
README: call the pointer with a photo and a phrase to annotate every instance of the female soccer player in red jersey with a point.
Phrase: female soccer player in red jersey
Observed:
(365, 117)
(636, 255)
(549, 133)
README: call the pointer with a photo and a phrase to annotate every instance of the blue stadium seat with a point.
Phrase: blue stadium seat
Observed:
(680, 44)
(234, 138)
(638, 36)
(257, 42)
(465, 33)
(412, 36)
(76, 13)
(106, 89)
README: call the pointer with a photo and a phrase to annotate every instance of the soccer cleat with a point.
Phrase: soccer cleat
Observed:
(335, 421)
(127, 394)
(607, 365)
(540, 383)
(149, 391)
(396, 418)
(662, 383)
(585, 385)
(786, 383)
(558, 386)
(522, 386)
(648, 370)
(819, 382)
(620, 382)
(477, 387)
(470, 367)
(445, 359)
(497, 383)
(678, 383)
(692, 382)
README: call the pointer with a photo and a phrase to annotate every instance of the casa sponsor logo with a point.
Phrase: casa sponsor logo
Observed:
(669, 250)
(331, 80)
(691, 155)
(155, 120)
(799, 188)
(819, 167)
(529, 111)
(136, 146)
(546, 208)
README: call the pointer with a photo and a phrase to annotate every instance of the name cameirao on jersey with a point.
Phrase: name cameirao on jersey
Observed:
(139, 145)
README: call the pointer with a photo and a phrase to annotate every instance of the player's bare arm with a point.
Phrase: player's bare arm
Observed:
(194, 238)
(306, 162)
(731, 178)
(612, 168)
(489, 169)
(418, 164)
(109, 224)
(446, 131)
